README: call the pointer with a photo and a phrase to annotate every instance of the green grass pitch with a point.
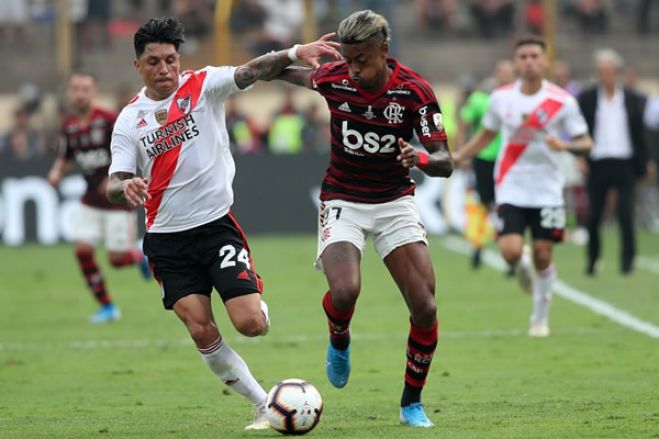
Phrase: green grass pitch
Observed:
(61, 377)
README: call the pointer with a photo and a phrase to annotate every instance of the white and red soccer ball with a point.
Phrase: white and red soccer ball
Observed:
(294, 407)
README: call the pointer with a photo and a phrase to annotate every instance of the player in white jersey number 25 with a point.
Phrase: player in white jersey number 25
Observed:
(174, 133)
(532, 115)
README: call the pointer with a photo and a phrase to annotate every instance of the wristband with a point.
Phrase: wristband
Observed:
(423, 160)
(292, 53)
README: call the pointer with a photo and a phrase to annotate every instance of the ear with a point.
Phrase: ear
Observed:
(136, 64)
(384, 47)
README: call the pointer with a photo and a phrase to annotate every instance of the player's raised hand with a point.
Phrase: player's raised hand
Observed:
(408, 156)
(136, 191)
(311, 53)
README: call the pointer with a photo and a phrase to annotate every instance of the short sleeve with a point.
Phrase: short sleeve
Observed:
(221, 82)
(314, 78)
(492, 120)
(651, 115)
(64, 149)
(123, 149)
(574, 123)
(428, 122)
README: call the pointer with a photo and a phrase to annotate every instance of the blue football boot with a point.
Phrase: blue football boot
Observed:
(415, 416)
(145, 269)
(338, 366)
(107, 313)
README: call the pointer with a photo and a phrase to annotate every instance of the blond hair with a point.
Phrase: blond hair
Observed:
(362, 25)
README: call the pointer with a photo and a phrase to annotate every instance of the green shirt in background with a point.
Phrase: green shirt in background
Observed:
(472, 112)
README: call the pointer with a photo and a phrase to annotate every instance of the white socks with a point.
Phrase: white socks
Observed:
(233, 371)
(543, 285)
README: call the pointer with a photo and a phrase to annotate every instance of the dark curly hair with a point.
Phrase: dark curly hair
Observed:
(159, 30)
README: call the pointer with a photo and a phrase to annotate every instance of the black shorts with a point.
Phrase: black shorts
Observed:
(546, 223)
(196, 260)
(484, 173)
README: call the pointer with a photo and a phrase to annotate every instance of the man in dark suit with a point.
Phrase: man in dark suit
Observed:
(614, 115)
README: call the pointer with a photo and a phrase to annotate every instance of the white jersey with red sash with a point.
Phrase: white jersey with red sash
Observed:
(527, 172)
(181, 145)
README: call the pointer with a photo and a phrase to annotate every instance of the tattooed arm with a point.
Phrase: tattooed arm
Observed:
(263, 68)
(271, 65)
(296, 75)
(124, 187)
(438, 163)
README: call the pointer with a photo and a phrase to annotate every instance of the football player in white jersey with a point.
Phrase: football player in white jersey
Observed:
(531, 114)
(173, 132)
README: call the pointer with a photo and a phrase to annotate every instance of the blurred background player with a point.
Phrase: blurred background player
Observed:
(470, 122)
(174, 132)
(85, 137)
(614, 114)
(531, 114)
(376, 104)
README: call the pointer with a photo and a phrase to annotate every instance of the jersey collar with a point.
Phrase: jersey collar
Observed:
(395, 67)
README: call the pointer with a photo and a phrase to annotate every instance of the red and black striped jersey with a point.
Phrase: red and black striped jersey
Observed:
(365, 128)
(88, 142)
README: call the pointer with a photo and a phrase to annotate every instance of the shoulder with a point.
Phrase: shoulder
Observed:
(588, 93)
(557, 92)
(130, 113)
(330, 72)
(415, 82)
(68, 121)
(634, 94)
(211, 70)
(134, 103)
(501, 95)
(504, 90)
(105, 114)
(200, 76)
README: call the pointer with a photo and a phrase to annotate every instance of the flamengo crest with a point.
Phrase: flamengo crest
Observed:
(394, 112)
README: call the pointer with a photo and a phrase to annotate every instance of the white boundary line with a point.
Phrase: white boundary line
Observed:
(565, 291)
(649, 264)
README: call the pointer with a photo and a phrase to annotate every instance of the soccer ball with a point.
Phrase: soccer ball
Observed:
(293, 407)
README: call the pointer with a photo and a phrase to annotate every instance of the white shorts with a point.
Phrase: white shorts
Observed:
(393, 224)
(118, 228)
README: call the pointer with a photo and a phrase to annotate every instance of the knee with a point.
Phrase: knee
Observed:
(251, 326)
(344, 295)
(542, 258)
(511, 254)
(203, 334)
(424, 314)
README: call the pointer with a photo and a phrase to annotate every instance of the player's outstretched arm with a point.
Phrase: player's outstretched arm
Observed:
(580, 145)
(271, 65)
(60, 168)
(296, 75)
(125, 187)
(483, 138)
(438, 163)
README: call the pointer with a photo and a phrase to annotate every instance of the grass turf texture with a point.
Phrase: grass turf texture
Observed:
(141, 377)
